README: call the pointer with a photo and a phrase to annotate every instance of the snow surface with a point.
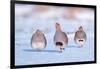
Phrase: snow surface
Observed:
(26, 25)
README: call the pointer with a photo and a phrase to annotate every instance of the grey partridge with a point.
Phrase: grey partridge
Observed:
(38, 40)
(60, 38)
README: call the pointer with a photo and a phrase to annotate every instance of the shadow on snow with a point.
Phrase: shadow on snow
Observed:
(32, 50)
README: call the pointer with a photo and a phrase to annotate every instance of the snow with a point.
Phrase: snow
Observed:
(26, 26)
